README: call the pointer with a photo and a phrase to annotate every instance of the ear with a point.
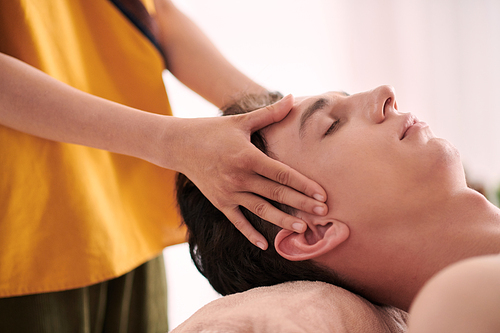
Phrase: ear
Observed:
(317, 240)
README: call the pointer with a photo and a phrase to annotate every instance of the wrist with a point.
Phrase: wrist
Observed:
(170, 143)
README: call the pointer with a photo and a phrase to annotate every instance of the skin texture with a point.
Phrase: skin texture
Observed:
(464, 297)
(399, 207)
(231, 175)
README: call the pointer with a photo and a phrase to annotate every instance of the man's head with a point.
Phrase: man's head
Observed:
(220, 252)
(377, 165)
(382, 170)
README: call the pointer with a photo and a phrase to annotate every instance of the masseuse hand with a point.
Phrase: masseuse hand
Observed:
(215, 153)
(231, 172)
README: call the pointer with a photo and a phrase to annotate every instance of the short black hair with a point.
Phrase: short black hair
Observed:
(220, 252)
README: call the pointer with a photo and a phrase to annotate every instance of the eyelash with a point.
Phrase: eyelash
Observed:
(333, 128)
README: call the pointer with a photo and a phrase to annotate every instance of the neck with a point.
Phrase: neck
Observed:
(464, 226)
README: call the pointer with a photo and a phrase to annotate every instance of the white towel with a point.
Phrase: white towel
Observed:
(295, 307)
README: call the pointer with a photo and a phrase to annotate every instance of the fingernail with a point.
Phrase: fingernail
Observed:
(261, 245)
(319, 210)
(298, 227)
(319, 197)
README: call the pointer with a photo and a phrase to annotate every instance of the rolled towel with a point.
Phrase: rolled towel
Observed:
(295, 307)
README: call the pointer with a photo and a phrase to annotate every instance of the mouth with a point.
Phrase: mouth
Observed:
(408, 122)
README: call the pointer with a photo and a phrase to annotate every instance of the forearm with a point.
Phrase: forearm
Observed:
(196, 62)
(228, 172)
(36, 104)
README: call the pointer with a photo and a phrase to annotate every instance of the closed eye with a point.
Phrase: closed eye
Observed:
(333, 128)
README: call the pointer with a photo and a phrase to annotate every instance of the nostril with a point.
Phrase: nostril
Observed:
(387, 101)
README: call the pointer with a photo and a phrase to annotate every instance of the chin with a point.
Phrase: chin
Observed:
(448, 161)
(449, 153)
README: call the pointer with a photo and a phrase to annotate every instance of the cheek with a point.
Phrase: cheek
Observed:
(360, 162)
(372, 182)
(351, 176)
(360, 178)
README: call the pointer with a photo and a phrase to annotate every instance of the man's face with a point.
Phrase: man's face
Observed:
(376, 164)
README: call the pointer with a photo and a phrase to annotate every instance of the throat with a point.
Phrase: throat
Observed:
(395, 267)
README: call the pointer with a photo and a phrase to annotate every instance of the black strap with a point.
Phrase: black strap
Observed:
(135, 11)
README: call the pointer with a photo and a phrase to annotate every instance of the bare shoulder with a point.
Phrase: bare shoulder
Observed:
(464, 297)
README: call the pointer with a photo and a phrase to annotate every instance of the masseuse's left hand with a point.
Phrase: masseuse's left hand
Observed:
(231, 172)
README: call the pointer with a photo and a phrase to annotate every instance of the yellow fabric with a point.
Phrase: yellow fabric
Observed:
(72, 216)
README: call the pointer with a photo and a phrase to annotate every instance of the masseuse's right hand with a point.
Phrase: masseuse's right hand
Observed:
(217, 155)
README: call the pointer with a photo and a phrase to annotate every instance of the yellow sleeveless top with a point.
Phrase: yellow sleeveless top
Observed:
(72, 216)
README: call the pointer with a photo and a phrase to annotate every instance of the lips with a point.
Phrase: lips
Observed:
(408, 122)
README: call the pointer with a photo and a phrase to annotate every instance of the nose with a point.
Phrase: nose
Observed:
(384, 101)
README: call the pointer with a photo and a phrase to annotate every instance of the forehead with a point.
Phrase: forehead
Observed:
(308, 104)
(303, 102)
(283, 139)
(303, 105)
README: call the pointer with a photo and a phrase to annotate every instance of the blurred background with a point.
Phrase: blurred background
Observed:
(442, 57)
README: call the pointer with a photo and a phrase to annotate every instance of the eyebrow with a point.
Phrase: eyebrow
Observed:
(318, 105)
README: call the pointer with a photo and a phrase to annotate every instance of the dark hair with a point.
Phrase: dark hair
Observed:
(220, 252)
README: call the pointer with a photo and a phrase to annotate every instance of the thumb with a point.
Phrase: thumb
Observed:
(261, 118)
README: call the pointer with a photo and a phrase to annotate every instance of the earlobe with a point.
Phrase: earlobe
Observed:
(316, 241)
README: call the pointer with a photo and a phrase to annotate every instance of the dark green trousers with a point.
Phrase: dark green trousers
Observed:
(134, 302)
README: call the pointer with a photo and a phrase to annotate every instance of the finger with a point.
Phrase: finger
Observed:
(261, 118)
(268, 212)
(283, 174)
(241, 223)
(286, 195)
